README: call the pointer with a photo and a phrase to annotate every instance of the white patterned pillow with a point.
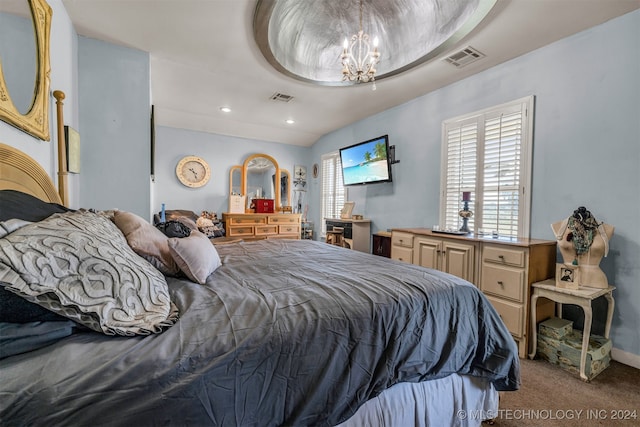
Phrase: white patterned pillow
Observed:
(79, 265)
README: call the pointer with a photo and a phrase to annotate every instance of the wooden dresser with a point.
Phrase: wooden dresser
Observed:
(250, 226)
(502, 268)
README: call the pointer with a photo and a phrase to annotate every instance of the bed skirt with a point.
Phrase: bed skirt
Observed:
(456, 400)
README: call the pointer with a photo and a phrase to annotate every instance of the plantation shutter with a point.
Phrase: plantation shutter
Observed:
(461, 151)
(501, 183)
(333, 194)
(488, 153)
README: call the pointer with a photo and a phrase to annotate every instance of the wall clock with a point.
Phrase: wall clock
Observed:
(193, 171)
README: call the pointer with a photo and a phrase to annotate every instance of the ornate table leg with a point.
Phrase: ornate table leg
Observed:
(610, 307)
(586, 333)
(534, 333)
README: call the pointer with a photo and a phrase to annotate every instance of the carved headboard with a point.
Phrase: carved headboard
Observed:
(20, 172)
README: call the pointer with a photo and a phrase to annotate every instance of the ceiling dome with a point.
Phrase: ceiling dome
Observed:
(303, 39)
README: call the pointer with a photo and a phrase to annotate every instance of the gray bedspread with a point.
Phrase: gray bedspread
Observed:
(283, 333)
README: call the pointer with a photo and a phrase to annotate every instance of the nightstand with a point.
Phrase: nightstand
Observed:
(382, 244)
(581, 297)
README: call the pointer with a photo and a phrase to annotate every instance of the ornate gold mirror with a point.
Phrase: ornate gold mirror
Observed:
(24, 65)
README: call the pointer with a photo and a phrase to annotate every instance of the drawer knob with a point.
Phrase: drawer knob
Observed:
(500, 283)
(501, 257)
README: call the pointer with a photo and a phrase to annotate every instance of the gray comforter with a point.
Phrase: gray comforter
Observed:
(283, 333)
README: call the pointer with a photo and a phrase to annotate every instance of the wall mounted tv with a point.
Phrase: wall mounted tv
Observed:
(366, 162)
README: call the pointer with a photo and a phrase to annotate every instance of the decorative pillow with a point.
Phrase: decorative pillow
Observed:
(16, 204)
(195, 255)
(147, 241)
(11, 225)
(79, 265)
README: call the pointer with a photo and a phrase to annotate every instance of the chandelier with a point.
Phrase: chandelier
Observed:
(358, 60)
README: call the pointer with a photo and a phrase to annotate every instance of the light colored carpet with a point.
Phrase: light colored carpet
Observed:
(550, 397)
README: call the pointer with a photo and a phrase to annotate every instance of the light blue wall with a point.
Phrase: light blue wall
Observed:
(115, 113)
(586, 149)
(221, 152)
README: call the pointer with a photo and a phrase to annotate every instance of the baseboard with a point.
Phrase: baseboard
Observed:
(625, 357)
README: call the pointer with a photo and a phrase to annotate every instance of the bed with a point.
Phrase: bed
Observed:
(272, 332)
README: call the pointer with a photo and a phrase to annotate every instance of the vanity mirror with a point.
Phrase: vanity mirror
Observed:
(24, 65)
(260, 176)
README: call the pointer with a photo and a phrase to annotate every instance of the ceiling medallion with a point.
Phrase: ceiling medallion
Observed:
(304, 39)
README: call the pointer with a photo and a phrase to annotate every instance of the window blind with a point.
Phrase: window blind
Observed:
(488, 153)
(333, 193)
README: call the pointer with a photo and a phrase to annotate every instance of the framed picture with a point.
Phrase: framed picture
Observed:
(567, 276)
(299, 178)
(346, 211)
(72, 138)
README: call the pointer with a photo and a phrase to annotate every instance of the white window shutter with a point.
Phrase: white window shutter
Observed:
(488, 153)
(333, 193)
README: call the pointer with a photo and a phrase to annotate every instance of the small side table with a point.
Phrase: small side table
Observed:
(581, 297)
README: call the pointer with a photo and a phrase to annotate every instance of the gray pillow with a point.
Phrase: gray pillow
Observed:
(79, 265)
(195, 255)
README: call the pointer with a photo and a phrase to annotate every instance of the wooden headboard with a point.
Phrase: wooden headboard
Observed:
(20, 172)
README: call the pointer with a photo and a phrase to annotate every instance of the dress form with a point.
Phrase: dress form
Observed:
(591, 274)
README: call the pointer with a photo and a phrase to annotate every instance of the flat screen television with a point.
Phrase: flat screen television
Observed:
(366, 162)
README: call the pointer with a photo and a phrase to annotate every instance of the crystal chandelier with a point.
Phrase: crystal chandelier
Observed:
(358, 60)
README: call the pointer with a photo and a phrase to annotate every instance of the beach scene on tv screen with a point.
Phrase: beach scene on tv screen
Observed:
(365, 163)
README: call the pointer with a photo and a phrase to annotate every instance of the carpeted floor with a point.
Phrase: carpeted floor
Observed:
(550, 397)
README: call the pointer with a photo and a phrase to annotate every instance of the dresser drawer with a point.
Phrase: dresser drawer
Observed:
(504, 282)
(240, 231)
(402, 254)
(248, 220)
(399, 238)
(284, 219)
(263, 230)
(511, 315)
(289, 229)
(506, 256)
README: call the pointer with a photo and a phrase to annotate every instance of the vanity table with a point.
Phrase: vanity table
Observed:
(262, 226)
(260, 178)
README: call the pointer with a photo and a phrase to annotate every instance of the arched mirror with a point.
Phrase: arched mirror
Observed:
(235, 180)
(261, 177)
(285, 188)
(261, 173)
(24, 65)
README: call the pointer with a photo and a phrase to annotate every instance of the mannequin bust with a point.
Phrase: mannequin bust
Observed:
(583, 241)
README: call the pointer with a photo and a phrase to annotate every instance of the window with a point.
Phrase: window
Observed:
(488, 153)
(333, 194)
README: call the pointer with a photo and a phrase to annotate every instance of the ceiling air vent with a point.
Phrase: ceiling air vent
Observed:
(281, 97)
(464, 57)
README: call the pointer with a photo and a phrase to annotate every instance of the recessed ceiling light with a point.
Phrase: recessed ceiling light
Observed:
(225, 109)
(290, 121)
